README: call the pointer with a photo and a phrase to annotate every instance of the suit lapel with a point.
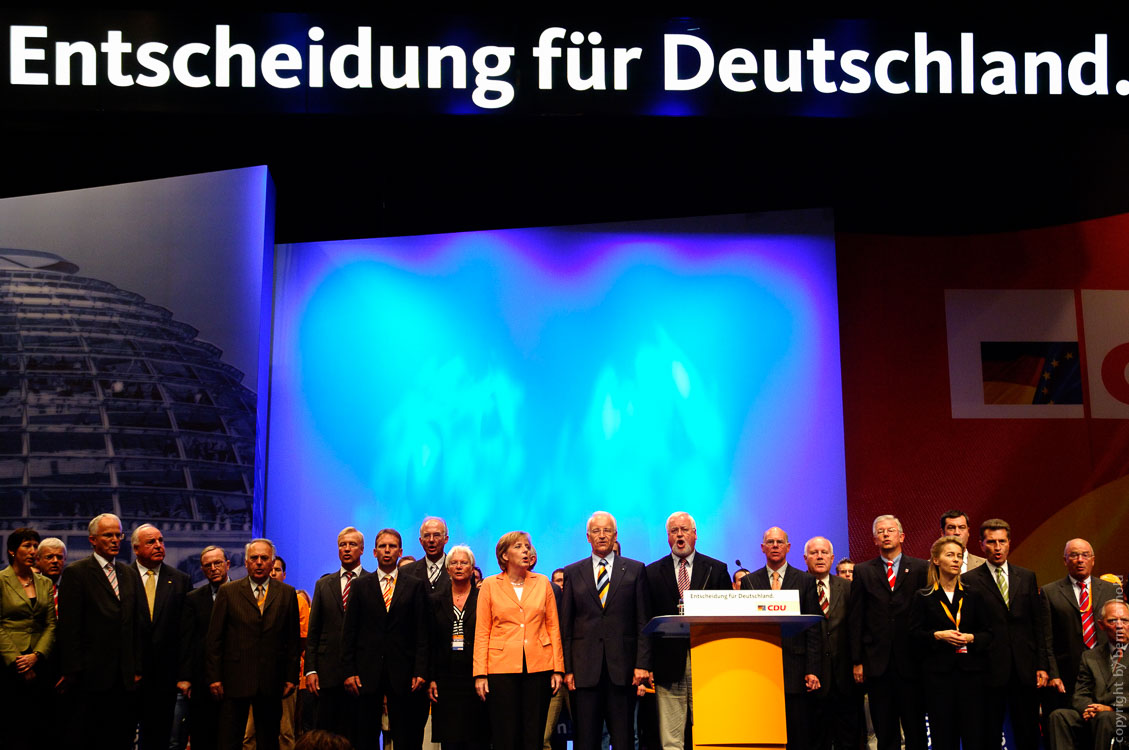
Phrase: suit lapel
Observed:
(590, 581)
(98, 571)
(247, 589)
(667, 574)
(618, 571)
(507, 589)
(838, 591)
(161, 595)
(700, 574)
(13, 583)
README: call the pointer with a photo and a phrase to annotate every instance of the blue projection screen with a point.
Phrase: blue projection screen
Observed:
(524, 378)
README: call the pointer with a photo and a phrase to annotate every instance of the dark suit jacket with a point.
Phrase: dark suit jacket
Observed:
(419, 570)
(376, 639)
(194, 618)
(668, 655)
(323, 637)
(801, 652)
(1018, 629)
(1064, 636)
(1097, 682)
(161, 658)
(834, 640)
(441, 624)
(879, 618)
(927, 616)
(100, 635)
(252, 653)
(593, 635)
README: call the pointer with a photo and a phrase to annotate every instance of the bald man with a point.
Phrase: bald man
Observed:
(801, 652)
(1070, 606)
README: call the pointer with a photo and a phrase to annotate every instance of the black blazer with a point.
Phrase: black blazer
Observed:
(323, 636)
(801, 652)
(668, 655)
(834, 640)
(418, 569)
(593, 635)
(395, 639)
(1063, 638)
(927, 617)
(194, 618)
(100, 636)
(1018, 631)
(441, 624)
(252, 653)
(162, 632)
(879, 618)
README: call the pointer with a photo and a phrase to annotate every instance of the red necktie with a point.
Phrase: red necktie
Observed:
(1087, 616)
(683, 577)
(890, 574)
(345, 591)
(823, 604)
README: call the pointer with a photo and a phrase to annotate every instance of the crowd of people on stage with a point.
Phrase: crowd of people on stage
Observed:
(103, 654)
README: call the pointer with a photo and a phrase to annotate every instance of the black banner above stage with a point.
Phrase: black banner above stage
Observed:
(307, 63)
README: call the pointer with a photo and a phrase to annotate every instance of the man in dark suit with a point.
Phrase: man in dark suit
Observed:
(1097, 716)
(604, 610)
(325, 670)
(955, 523)
(881, 653)
(384, 649)
(203, 709)
(838, 717)
(432, 567)
(252, 649)
(667, 579)
(163, 588)
(1070, 605)
(801, 652)
(1017, 660)
(101, 640)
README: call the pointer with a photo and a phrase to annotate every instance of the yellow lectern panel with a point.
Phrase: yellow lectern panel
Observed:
(738, 683)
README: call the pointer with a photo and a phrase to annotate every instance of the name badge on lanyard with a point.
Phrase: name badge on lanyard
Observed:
(457, 642)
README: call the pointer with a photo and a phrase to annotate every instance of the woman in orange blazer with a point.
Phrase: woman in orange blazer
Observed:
(518, 660)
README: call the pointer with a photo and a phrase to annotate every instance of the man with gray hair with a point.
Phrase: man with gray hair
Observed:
(668, 578)
(100, 639)
(50, 560)
(882, 656)
(432, 567)
(606, 657)
(203, 713)
(252, 649)
(164, 588)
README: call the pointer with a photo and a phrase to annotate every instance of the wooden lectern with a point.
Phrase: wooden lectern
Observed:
(737, 675)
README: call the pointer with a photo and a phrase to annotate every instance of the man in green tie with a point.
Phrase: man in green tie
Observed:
(1017, 660)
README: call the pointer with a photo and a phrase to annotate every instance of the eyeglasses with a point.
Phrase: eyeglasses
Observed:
(1080, 555)
(216, 564)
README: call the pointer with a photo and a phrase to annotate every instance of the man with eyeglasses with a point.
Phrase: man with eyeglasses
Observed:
(432, 567)
(667, 579)
(203, 710)
(1071, 606)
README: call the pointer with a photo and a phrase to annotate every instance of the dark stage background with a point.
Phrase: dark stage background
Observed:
(340, 176)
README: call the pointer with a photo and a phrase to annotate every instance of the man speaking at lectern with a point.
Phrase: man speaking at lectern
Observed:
(667, 580)
(801, 652)
(603, 611)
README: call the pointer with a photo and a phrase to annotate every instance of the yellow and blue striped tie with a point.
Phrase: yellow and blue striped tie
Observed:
(602, 582)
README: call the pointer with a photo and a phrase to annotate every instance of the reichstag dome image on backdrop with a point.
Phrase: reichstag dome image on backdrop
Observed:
(109, 404)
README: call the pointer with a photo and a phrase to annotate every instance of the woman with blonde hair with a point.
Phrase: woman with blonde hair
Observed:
(518, 659)
(950, 629)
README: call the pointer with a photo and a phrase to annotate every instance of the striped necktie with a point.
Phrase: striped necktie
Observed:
(1088, 636)
(432, 573)
(1001, 581)
(890, 576)
(346, 590)
(823, 603)
(261, 596)
(389, 585)
(602, 581)
(112, 575)
(683, 577)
